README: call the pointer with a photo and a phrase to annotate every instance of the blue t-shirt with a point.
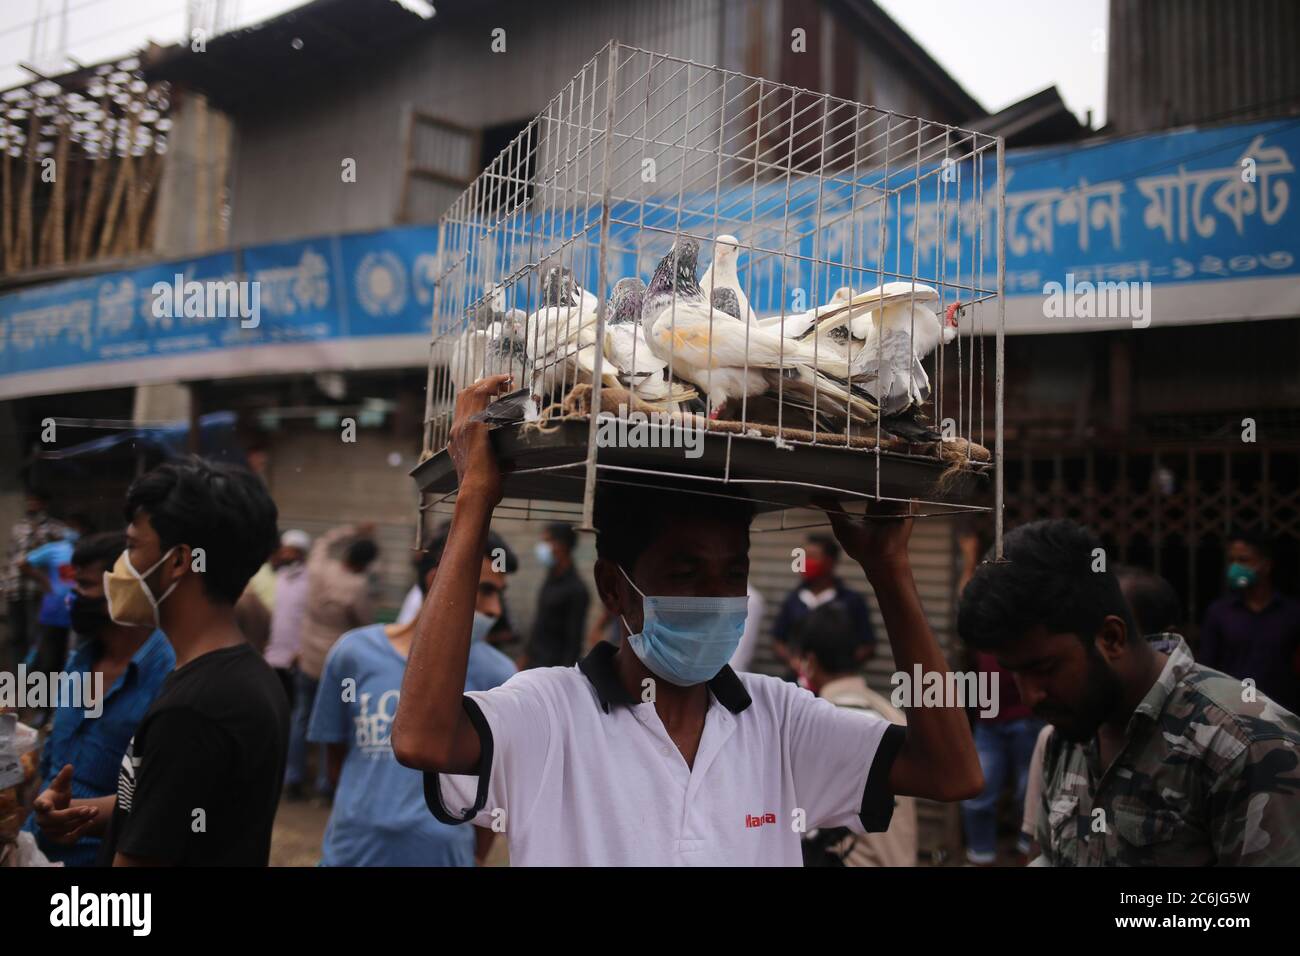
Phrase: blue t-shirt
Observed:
(379, 816)
(50, 557)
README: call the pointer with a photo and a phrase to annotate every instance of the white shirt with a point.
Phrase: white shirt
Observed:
(814, 601)
(581, 776)
(411, 605)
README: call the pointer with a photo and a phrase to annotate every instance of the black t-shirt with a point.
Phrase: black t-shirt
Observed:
(200, 782)
(558, 627)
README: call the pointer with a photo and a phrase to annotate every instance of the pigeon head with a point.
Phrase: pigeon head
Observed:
(558, 288)
(687, 256)
(725, 300)
(726, 248)
(626, 300)
(677, 270)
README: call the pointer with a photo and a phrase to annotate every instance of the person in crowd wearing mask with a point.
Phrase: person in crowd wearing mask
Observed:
(820, 587)
(290, 563)
(1153, 759)
(22, 592)
(338, 601)
(560, 621)
(655, 752)
(825, 647)
(379, 816)
(83, 752)
(201, 778)
(1254, 632)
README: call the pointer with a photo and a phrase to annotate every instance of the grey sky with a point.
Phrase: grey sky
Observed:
(999, 50)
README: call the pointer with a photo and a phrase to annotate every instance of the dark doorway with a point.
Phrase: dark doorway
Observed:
(516, 188)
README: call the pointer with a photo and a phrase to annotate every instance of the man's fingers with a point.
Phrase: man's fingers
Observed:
(71, 817)
(63, 781)
(479, 395)
(76, 833)
(834, 509)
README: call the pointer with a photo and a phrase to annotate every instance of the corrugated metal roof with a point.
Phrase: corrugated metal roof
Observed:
(310, 40)
(1176, 62)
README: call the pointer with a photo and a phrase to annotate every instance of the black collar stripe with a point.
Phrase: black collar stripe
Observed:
(598, 667)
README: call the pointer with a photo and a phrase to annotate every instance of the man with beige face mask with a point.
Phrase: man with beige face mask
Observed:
(200, 781)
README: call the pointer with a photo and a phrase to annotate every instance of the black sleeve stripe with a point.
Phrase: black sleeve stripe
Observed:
(433, 793)
(877, 799)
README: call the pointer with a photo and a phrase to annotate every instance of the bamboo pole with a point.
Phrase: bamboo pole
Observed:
(124, 174)
(97, 178)
(57, 212)
(200, 173)
(6, 205)
(26, 253)
(148, 211)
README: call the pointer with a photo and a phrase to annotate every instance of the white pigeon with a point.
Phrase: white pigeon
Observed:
(727, 359)
(636, 367)
(900, 333)
(493, 346)
(721, 274)
(844, 307)
(560, 337)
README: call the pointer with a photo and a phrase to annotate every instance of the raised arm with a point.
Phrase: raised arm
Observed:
(937, 760)
(432, 731)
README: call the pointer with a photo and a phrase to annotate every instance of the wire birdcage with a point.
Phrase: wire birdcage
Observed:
(800, 283)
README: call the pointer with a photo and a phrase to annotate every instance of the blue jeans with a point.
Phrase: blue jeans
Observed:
(1005, 749)
(304, 696)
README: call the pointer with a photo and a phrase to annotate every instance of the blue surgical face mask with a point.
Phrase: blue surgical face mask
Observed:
(687, 640)
(545, 553)
(483, 623)
(1240, 576)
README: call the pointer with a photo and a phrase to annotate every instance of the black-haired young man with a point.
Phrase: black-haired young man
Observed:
(1154, 759)
(656, 752)
(559, 623)
(201, 779)
(1253, 631)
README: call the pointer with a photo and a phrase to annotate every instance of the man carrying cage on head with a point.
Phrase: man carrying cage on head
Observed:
(656, 752)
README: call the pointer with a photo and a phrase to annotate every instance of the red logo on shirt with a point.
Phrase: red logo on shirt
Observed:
(753, 821)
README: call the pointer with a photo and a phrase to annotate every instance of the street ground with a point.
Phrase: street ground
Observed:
(300, 825)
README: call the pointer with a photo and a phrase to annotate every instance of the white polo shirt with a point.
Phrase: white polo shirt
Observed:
(579, 774)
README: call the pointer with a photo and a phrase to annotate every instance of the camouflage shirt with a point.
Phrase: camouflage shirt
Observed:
(1203, 778)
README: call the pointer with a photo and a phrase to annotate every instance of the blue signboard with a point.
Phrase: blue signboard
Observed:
(304, 295)
(1202, 215)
